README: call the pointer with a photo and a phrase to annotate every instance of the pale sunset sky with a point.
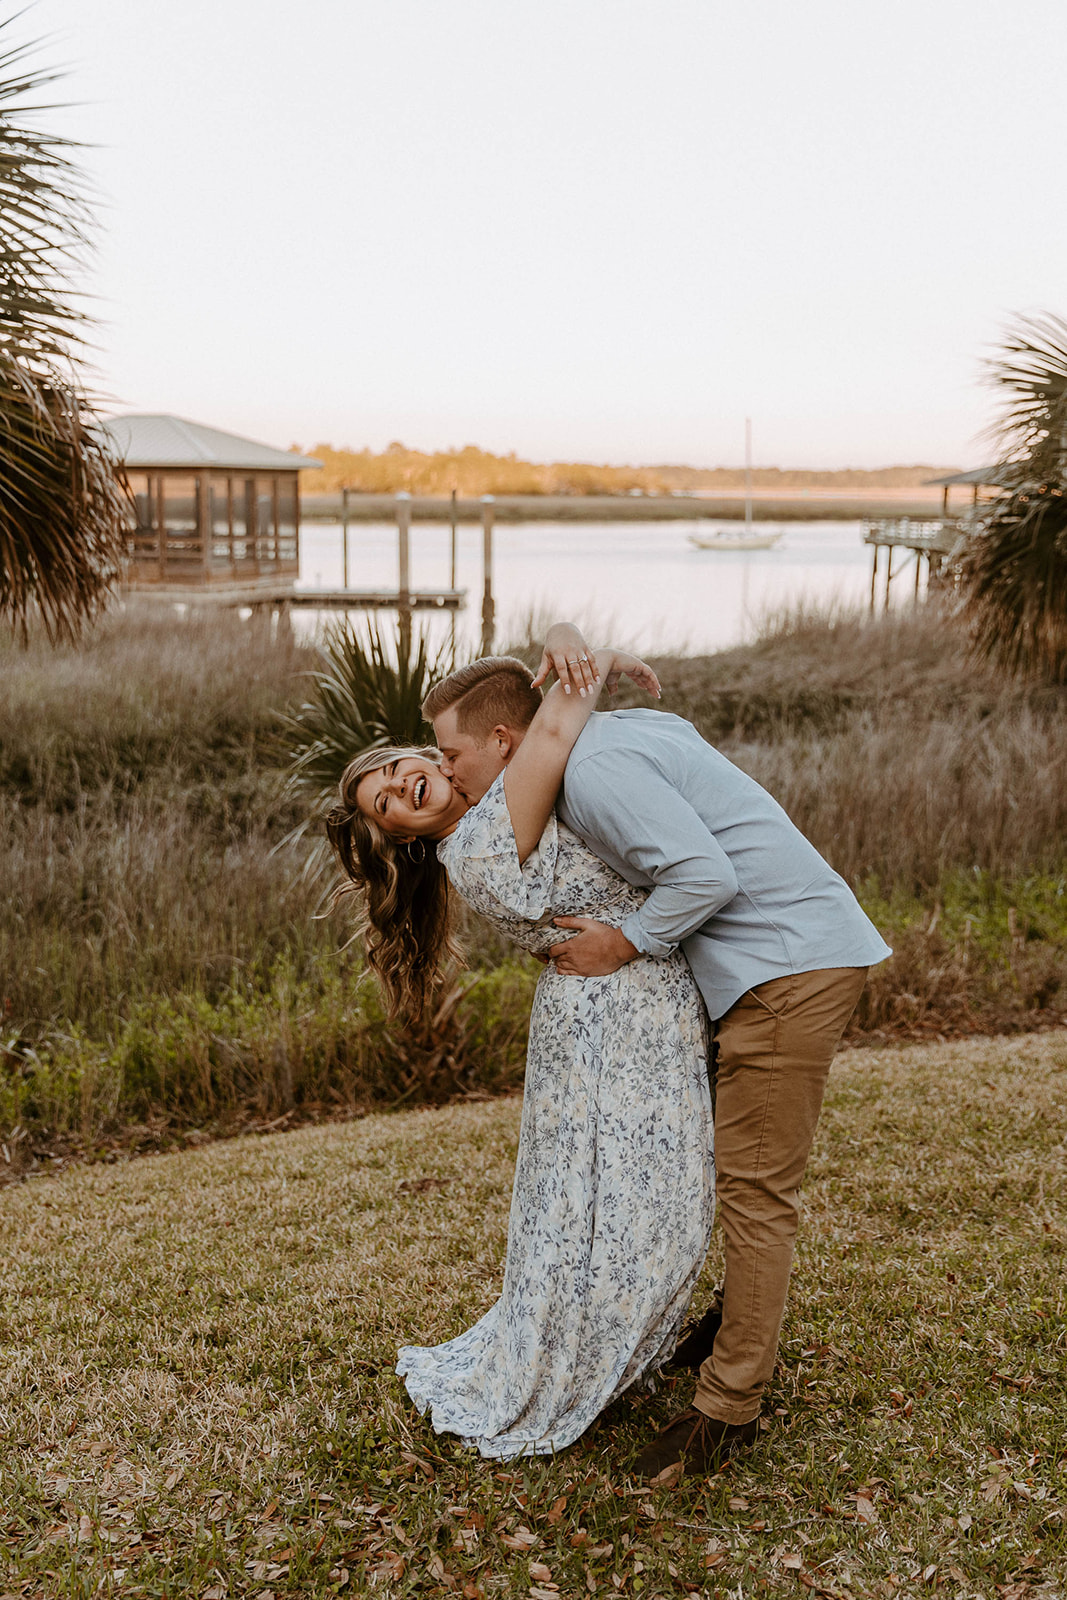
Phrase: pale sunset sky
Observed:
(583, 229)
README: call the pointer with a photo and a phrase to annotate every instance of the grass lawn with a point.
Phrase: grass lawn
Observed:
(196, 1352)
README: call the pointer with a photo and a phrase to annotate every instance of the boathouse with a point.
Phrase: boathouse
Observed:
(215, 513)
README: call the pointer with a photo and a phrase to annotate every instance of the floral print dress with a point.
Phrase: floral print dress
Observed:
(613, 1201)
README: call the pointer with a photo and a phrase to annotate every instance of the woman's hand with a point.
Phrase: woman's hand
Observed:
(613, 664)
(567, 655)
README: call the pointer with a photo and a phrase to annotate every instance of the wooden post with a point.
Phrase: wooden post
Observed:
(252, 525)
(452, 563)
(452, 581)
(161, 525)
(403, 535)
(205, 522)
(344, 538)
(488, 506)
(918, 568)
(888, 574)
(874, 576)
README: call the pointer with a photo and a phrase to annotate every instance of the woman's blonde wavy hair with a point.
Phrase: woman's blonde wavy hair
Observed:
(408, 931)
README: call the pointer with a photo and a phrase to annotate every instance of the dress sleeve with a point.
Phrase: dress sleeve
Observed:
(483, 864)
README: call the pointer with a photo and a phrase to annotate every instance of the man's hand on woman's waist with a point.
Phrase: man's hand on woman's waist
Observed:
(595, 950)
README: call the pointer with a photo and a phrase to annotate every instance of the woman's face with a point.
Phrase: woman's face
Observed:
(410, 799)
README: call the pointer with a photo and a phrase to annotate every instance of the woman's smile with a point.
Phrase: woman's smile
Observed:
(409, 797)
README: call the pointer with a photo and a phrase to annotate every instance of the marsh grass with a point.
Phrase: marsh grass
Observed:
(197, 1399)
(163, 962)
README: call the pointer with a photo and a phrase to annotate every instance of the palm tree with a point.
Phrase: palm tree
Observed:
(1014, 572)
(63, 512)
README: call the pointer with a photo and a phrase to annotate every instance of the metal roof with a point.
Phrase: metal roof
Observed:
(990, 475)
(158, 440)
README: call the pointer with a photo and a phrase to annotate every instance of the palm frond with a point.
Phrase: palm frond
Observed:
(369, 692)
(1015, 582)
(64, 515)
(1030, 374)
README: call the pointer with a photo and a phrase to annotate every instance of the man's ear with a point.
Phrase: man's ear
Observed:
(504, 739)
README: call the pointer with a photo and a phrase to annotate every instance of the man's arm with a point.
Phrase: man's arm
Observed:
(622, 802)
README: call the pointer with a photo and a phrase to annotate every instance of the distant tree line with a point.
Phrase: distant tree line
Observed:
(473, 472)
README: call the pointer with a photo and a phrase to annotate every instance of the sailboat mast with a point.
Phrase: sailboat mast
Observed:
(748, 474)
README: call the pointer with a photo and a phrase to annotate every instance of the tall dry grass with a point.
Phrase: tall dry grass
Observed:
(161, 961)
(897, 755)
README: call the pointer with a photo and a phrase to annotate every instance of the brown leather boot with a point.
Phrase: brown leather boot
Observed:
(699, 1443)
(698, 1341)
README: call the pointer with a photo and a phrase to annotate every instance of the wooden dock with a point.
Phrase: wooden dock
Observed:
(377, 599)
(934, 540)
(277, 598)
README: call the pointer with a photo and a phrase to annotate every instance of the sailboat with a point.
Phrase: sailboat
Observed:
(726, 538)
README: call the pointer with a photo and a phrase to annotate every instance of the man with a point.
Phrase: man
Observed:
(778, 945)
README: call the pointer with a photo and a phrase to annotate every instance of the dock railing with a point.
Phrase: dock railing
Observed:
(935, 540)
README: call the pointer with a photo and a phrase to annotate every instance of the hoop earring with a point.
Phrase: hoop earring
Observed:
(421, 857)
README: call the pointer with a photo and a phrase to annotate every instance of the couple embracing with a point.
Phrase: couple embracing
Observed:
(666, 888)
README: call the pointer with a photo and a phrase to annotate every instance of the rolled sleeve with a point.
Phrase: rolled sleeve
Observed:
(631, 814)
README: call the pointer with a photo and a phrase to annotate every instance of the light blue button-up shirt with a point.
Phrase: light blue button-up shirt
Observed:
(733, 881)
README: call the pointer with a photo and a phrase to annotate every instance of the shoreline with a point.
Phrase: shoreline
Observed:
(725, 506)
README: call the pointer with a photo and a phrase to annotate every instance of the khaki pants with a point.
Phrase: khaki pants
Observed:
(773, 1054)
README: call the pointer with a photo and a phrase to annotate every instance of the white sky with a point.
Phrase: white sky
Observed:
(601, 229)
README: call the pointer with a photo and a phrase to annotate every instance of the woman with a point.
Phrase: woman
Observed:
(614, 1191)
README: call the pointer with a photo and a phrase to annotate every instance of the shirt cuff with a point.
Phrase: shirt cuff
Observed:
(642, 940)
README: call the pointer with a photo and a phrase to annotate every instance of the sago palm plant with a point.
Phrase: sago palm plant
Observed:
(368, 692)
(1014, 572)
(63, 513)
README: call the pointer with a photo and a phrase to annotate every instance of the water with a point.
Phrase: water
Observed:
(642, 583)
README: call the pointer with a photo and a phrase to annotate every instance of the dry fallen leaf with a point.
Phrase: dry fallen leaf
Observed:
(865, 1509)
(416, 1464)
(557, 1510)
(521, 1539)
(539, 1571)
(793, 1562)
(669, 1477)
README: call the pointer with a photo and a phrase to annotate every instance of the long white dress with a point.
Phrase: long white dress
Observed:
(613, 1201)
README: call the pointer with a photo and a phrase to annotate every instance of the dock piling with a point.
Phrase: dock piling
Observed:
(488, 607)
(403, 533)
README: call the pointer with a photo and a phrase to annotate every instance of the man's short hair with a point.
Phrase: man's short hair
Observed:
(495, 691)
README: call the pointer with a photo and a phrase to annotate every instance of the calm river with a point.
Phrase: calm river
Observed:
(642, 583)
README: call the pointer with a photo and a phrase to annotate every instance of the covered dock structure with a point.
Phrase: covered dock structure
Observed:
(216, 514)
(935, 541)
